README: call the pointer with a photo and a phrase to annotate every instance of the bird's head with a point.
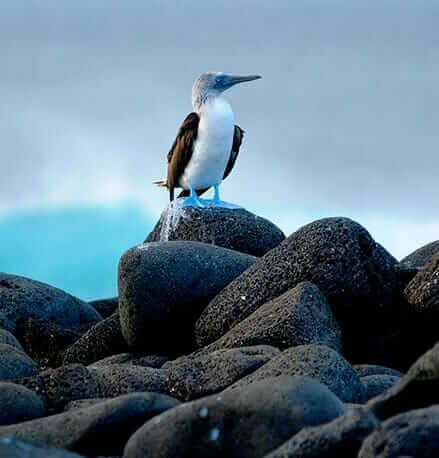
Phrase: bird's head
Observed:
(213, 84)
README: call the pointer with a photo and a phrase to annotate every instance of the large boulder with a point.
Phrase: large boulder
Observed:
(418, 388)
(237, 230)
(374, 385)
(244, 423)
(106, 307)
(316, 361)
(102, 429)
(14, 363)
(102, 340)
(164, 286)
(18, 404)
(341, 437)
(22, 298)
(300, 316)
(338, 255)
(421, 256)
(8, 338)
(413, 433)
(195, 376)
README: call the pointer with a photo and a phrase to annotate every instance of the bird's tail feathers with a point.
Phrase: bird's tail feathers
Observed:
(163, 183)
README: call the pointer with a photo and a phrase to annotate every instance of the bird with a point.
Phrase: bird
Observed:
(207, 143)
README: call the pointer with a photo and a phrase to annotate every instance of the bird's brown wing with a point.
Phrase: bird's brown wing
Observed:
(237, 140)
(181, 151)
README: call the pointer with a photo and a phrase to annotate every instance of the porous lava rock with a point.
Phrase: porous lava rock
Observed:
(300, 316)
(22, 298)
(196, 376)
(341, 437)
(316, 361)
(237, 230)
(421, 256)
(164, 286)
(248, 422)
(374, 385)
(102, 429)
(15, 363)
(413, 433)
(338, 255)
(102, 340)
(18, 404)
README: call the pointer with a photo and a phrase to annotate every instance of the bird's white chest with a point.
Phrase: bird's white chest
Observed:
(212, 147)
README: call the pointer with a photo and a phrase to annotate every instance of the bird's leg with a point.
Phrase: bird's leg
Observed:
(217, 202)
(193, 200)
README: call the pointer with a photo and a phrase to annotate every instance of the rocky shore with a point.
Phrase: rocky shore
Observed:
(228, 339)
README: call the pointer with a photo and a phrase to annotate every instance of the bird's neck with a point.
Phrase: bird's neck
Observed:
(209, 102)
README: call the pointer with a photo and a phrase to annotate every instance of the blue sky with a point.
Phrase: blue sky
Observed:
(344, 121)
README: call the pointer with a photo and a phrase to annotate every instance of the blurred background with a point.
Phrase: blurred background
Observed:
(344, 121)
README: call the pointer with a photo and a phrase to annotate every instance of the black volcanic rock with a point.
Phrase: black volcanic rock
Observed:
(45, 341)
(376, 384)
(15, 363)
(248, 422)
(8, 338)
(300, 316)
(421, 256)
(11, 447)
(102, 340)
(237, 230)
(22, 298)
(316, 361)
(195, 376)
(418, 388)
(102, 429)
(341, 438)
(422, 293)
(364, 370)
(18, 404)
(413, 433)
(164, 286)
(338, 255)
(106, 307)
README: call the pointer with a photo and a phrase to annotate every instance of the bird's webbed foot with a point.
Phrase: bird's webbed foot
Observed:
(217, 202)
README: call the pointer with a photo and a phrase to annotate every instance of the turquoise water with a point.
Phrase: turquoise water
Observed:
(76, 249)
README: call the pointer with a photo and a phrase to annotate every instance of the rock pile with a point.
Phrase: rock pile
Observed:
(228, 339)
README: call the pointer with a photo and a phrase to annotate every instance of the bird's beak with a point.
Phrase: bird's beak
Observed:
(231, 80)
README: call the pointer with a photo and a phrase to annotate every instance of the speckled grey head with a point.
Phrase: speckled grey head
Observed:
(212, 84)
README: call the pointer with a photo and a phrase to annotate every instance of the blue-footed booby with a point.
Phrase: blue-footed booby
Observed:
(207, 143)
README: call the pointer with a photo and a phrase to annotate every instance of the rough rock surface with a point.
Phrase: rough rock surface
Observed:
(413, 433)
(422, 292)
(338, 255)
(164, 286)
(237, 230)
(102, 429)
(118, 379)
(316, 361)
(340, 438)
(14, 363)
(300, 316)
(363, 370)
(155, 361)
(11, 447)
(18, 404)
(103, 339)
(22, 298)
(418, 388)
(377, 384)
(45, 341)
(8, 338)
(62, 385)
(195, 376)
(249, 422)
(106, 307)
(422, 255)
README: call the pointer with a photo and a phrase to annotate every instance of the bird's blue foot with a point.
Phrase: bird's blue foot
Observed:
(193, 201)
